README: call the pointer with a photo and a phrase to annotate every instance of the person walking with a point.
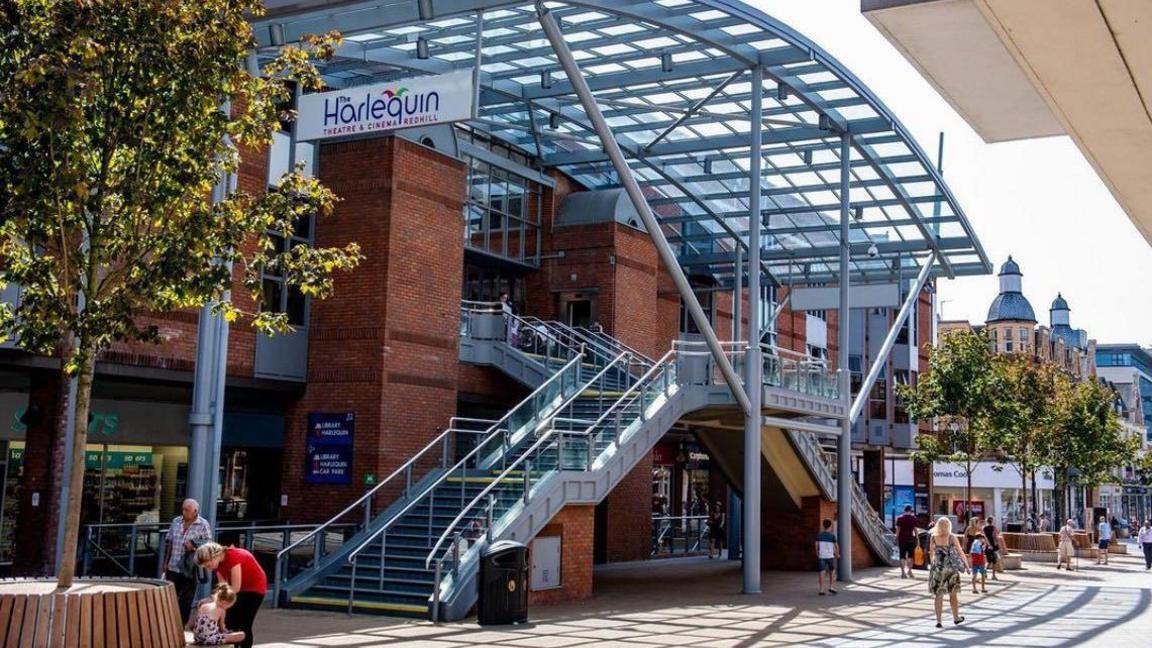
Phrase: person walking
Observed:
(716, 530)
(948, 560)
(906, 540)
(239, 569)
(1104, 540)
(1145, 538)
(1066, 548)
(992, 546)
(979, 563)
(970, 533)
(187, 532)
(827, 552)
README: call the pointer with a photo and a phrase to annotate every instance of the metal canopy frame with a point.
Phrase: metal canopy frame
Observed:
(733, 136)
(672, 80)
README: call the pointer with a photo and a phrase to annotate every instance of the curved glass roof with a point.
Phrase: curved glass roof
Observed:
(673, 80)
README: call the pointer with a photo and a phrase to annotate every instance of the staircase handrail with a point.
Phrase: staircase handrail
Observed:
(495, 428)
(565, 335)
(462, 464)
(629, 395)
(647, 360)
(365, 500)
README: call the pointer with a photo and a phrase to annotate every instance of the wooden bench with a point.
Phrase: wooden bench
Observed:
(1037, 547)
(97, 612)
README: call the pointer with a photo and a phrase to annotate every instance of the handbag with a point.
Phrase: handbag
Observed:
(918, 557)
(191, 569)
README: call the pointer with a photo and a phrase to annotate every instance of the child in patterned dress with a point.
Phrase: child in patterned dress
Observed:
(208, 624)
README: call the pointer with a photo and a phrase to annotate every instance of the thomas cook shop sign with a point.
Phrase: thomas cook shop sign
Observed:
(383, 107)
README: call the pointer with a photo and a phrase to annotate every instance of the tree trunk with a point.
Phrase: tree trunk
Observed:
(66, 569)
(1023, 494)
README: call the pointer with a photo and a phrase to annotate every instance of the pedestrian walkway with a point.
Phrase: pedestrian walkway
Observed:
(693, 602)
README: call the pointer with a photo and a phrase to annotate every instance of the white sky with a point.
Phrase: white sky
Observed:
(1037, 200)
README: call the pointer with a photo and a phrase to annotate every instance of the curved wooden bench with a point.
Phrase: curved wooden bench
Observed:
(1036, 547)
(139, 613)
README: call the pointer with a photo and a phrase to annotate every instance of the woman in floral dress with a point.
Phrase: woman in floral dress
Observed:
(948, 561)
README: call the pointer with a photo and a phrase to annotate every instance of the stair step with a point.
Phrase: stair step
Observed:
(380, 607)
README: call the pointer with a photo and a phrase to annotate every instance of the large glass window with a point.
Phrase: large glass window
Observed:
(278, 296)
(502, 209)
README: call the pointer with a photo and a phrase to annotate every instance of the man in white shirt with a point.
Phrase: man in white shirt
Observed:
(1104, 535)
(1145, 538)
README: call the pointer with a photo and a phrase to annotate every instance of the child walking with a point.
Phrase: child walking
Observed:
(208, 624)
(979, 562)
(827, 551)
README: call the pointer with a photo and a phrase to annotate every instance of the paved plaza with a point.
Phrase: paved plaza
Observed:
(693, 602)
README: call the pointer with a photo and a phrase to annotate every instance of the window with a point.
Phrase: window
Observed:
(278, 296)
(822, 314)
(1008, 346)
(704, 293)
(502, 213)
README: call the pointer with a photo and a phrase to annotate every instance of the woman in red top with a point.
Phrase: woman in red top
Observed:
(238, 568)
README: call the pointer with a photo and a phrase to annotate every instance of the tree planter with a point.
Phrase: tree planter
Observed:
(93, 612)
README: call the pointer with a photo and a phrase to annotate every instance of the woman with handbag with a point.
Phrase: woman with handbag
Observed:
(188, 531)
(948, 561)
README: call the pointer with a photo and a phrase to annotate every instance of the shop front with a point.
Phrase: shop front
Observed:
(136, 465)
(996, 491)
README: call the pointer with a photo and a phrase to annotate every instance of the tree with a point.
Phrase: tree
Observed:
(1089, 440)
(959, 391)
(112, 139)
(1027, 413)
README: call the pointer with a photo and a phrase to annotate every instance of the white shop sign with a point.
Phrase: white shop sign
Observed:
(381, 107)
(987, 474)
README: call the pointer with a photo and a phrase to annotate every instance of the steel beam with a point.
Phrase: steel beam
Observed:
(844, 445)
(890, 339)
(753, 360)
(803, 426)
(667, 255)
(699, 105)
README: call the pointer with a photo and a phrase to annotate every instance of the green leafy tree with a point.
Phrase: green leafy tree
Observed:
(959, 391)
(1028, 411)
(1089, 441)
(112, 138)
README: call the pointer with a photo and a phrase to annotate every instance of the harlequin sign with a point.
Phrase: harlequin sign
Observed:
(328, 455)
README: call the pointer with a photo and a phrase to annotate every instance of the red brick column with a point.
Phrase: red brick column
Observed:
(386, 345)
(574, 525)
(35, 539)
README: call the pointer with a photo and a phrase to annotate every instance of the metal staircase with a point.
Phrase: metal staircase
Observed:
(383, 567)
(597, 409)
(869, 524)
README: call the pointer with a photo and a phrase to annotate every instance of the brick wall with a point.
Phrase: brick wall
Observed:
(35, 536)
(788, 537)
(574, 525)
(386, 344)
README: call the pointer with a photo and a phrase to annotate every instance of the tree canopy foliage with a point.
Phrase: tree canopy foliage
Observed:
(118, 118)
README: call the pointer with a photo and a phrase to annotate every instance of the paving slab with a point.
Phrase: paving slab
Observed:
(696, 602)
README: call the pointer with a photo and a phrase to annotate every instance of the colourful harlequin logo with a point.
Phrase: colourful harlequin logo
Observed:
(396, 106)
(399, 92)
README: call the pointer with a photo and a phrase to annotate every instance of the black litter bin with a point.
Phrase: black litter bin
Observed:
(503, 584)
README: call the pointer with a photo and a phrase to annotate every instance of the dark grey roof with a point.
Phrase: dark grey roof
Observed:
(1010, 306)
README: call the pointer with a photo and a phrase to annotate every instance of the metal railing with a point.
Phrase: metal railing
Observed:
(138, 549)
(679, 534)
(579, 449)
(782, 367)
(437, 454)
(822, 465)
(493, 453)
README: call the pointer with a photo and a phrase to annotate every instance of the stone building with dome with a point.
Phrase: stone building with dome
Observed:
(1012, 326)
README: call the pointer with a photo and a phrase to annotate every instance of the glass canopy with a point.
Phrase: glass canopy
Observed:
(673, 80)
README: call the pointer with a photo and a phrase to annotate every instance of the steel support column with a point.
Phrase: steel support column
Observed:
(890, 340)
(206, 417)
(844, 445)
(738, 297)
(753, 362)
(636, 195)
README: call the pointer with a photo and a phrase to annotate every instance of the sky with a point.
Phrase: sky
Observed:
(1038, 200)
